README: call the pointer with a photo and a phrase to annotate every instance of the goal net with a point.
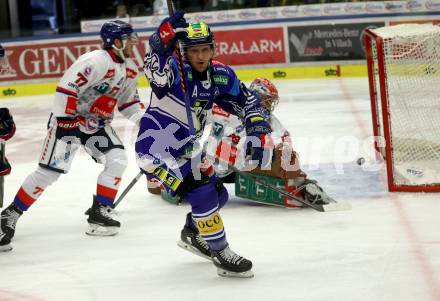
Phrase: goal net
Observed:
(404, 77)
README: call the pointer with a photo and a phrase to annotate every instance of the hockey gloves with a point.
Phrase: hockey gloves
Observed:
(5, 168)
(257, 140)
(171, 29)
(2, 52)
(7, 125)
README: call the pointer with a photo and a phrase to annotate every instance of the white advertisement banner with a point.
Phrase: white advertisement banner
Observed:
(285, 12)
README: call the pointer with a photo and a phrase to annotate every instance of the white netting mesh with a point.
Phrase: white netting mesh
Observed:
(412, 68)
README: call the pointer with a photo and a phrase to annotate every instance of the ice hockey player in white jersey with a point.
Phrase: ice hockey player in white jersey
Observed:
(228, 130)
(85, 99)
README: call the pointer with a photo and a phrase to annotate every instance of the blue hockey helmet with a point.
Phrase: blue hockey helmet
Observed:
(115, 29)
(198, 34)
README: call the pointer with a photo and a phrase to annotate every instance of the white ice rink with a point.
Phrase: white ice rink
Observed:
(386, 248)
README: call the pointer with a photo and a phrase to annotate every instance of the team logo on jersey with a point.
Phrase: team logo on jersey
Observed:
(102, 88)
(200, 106)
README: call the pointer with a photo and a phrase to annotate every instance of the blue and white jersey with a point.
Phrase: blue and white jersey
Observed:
(164, 130)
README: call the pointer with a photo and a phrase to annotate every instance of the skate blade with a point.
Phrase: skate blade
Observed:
(6, 248)
(98, 230)
(336, 206)
(191, 249)
(224, 273)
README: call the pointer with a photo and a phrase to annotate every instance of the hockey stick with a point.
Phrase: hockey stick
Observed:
(127, 189)
(332, 206)
(184, 84)
(2, 178)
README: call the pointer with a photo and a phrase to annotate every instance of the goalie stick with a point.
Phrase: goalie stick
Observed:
(331, 206)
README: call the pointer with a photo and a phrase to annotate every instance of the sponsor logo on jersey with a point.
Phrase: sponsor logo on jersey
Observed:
(71, 105)
(166, 178)
(103, 106)
(216, 110)
(221, 79)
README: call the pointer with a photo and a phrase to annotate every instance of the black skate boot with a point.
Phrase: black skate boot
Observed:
(5, 242)
(191, 241)
(313, 193)
(9, 218)
(230, 264)
(100, 220)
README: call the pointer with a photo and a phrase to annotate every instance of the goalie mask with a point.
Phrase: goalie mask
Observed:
(266, 92)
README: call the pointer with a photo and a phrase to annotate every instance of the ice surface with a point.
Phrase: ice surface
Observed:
(386, 248)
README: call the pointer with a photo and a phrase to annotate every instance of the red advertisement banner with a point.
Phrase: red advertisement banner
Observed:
(48, 59)
(250, 46)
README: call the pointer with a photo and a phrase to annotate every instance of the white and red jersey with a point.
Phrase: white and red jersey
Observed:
(227, 131)
(94, 86)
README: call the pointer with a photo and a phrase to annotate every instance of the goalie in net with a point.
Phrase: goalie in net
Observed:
(223, 143)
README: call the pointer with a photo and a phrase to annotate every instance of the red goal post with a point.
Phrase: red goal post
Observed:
(404, 79)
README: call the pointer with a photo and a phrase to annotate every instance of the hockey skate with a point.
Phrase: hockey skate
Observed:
(5, 242)
(313, 193)
(9, 218)
(101, 222)
(230, 264)
(191, 241)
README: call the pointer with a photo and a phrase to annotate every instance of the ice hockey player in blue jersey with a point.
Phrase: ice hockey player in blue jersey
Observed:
(167, 150)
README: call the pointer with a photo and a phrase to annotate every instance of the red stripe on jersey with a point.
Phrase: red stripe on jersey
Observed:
(67, 92)
(127, 104)
(110, 73)
(130, 73)
(106, 191)
(24, 197)
(114, 57)
(71, 105)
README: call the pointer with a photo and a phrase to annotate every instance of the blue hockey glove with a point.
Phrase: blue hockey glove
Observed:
(257, 130)
(171, 29)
